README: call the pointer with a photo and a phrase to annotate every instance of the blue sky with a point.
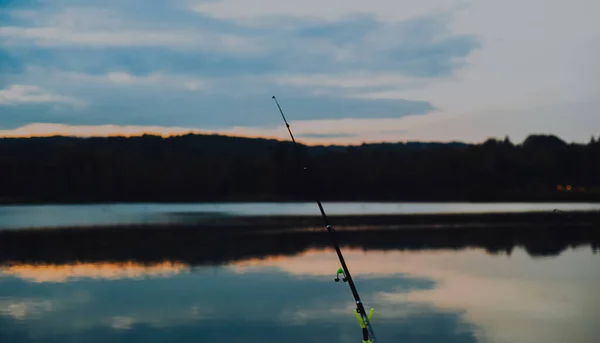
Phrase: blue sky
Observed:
(344, 71)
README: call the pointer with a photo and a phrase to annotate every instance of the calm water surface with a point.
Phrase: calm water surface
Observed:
(29, 216)
(419, 296)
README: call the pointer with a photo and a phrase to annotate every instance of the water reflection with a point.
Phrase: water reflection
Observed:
(508, 299)
(419, 296)
(212, 303)
(221, 245)
(98, 270)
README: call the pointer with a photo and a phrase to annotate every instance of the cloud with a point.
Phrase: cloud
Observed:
(209, 46)
(349, 80)
(25, 94)
(186, 101)
(66, 51)
(127, 79)
(214, 65)
(105, 28)
(330, 10)
(59, 37)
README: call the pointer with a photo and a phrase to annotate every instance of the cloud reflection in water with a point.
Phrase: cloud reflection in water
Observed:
(426, 296)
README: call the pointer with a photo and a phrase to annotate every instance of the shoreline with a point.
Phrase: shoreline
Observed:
(540, 234)
(543, 200)
(209, 221)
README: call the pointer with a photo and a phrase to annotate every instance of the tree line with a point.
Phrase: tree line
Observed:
(222, 168)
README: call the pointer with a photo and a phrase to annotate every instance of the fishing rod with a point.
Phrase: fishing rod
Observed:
(363, 318)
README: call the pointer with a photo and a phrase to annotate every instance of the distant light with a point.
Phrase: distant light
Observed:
(559, 187)
(569, 187)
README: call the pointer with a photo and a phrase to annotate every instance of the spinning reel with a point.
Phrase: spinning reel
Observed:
(337, 275)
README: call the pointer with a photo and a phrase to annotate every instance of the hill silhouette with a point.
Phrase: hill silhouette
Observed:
(223, 168)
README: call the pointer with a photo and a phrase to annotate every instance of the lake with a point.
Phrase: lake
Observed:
(176, 283)
(35, 216)
(430, 295)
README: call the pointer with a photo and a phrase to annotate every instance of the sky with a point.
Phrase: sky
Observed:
(344, 71)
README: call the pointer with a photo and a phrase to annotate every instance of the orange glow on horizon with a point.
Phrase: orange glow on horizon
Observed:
(61, 130)
(137, 134)
(128, 135)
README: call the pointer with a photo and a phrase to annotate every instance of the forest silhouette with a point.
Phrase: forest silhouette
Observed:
(222, 168)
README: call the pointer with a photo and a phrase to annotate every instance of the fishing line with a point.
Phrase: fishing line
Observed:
(363, 318)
